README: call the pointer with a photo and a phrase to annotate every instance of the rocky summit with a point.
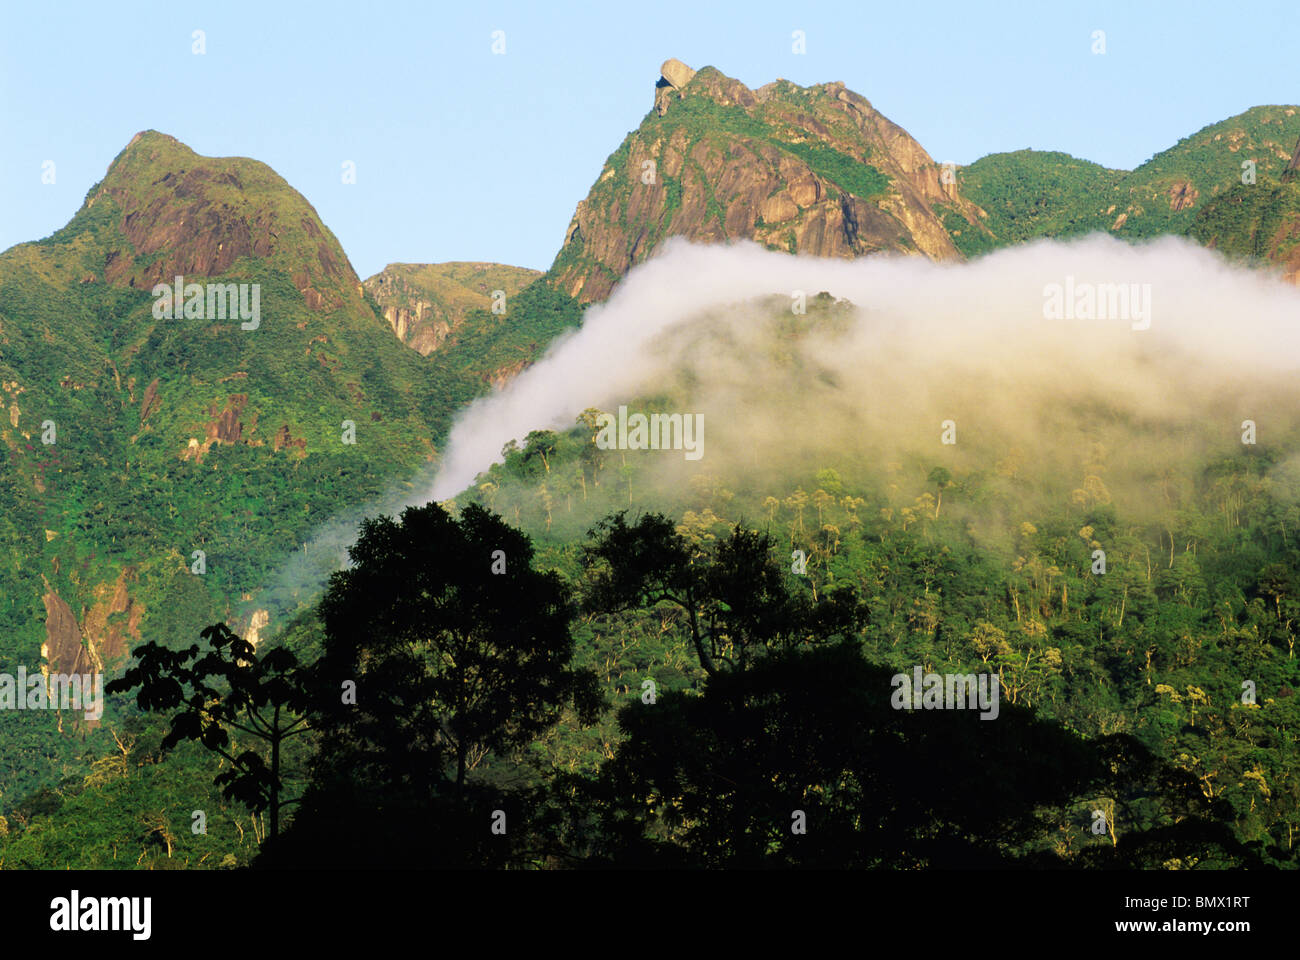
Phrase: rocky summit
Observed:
(182, 214)
(810, 170)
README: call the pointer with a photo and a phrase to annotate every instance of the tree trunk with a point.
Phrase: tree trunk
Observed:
(275, 774)
(705, 660)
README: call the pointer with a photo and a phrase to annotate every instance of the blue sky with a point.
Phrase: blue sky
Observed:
(466, 155)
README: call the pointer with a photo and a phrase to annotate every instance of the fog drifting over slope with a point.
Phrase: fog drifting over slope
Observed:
(928, 342)
(1046, 405)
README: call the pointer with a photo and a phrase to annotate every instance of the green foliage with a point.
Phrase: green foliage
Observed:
(1031, 193)
(1194, 187)
(130, 490)
(722, 780)
(453, 648)
(261, 697)
(851, 175)
(1252, 223)
(132, 808)
(489, 343)
(1155, 649)
(699, 119)
(970, 240)
(1137, 674)
(703, 117)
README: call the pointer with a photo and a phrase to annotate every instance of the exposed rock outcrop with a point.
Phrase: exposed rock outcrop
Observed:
(1291, 168)
(814, 171)
(113, 618)
(63, 649)
(500, 377)
(425, 304)
(283, 438)
(150, 402)
(257, 622)
(101, 638)
(675, 75)
(197, 217)
(226, 427)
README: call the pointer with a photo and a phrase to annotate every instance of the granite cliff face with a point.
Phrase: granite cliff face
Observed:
(425, 303)
(813, 170)
(182, 214)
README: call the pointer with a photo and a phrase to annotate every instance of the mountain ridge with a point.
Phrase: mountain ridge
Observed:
(813, 170)
(184, 435)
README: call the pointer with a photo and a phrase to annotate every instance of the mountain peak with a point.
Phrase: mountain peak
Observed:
(810, 170)
(152, 134)
(179, 213)
(146, 147)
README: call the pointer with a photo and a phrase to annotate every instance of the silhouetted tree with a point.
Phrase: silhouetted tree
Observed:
(228, 688)
(734, 596)
(443, 646)
(796, 727)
